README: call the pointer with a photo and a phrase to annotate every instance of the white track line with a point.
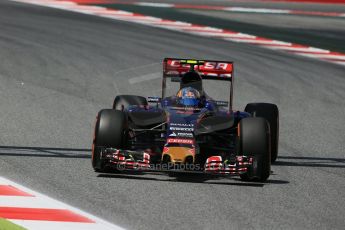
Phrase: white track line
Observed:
(190, 28)
(256, 10)
(153, 4)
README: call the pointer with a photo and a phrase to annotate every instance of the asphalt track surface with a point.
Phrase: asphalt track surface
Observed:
(59, 68)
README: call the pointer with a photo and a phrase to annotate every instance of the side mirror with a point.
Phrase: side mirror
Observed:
(213, 124)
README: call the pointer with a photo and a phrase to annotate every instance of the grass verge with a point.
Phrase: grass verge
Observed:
(7, 225)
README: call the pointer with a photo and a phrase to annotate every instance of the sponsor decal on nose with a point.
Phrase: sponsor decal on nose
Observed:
(180, 141)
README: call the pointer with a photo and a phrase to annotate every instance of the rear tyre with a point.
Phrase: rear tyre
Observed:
(122, 102)
(110, 131)
(271, 113)
(254, 142)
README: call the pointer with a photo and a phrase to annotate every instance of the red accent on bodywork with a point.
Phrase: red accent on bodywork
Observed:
(180, 141)
(214, 159)
(165, 150)
(192, 151)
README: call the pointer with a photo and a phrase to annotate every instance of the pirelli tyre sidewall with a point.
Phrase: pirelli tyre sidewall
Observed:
(110, 132)
(254, 141)
(271, 113)
(122, 102)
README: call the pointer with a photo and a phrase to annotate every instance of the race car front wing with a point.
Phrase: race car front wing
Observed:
(125, 160)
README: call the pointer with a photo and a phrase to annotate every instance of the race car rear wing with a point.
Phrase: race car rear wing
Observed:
(214, 70)
(175, 68)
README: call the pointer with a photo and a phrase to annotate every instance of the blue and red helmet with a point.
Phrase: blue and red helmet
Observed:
(188, 96)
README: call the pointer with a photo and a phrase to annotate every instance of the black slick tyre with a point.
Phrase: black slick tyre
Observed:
(271, 113)
(110, 131)
(254, 142)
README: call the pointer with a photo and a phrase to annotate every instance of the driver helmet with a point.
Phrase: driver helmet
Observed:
(188, 96)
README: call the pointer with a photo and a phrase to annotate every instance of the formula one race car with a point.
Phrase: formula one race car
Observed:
(188, 131)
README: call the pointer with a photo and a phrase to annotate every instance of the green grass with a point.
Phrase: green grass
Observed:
(6, 225)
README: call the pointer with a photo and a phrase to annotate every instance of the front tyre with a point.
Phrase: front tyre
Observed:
(254, 141)
(110, 131)
(271, 113)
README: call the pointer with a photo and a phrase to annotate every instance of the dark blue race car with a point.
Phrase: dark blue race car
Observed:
(188, 131)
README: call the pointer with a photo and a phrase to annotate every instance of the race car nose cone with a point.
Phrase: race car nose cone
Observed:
(179, 154)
